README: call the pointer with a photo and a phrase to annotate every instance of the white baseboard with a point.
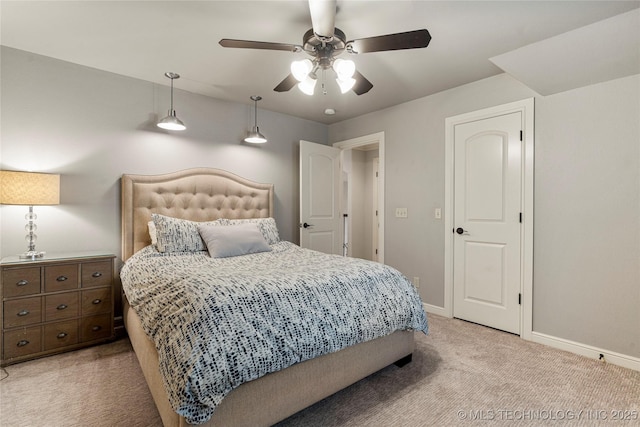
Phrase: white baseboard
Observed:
(587, 350)
(440, 311)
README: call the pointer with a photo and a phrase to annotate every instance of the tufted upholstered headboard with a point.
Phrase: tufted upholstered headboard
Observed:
(200, 194)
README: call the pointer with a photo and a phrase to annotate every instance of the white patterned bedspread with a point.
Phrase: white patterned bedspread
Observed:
(218, 323)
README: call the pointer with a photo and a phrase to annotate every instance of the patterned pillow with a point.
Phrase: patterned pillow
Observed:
(178, 235)
(267, 227)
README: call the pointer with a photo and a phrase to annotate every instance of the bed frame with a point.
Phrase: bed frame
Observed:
(204, 194)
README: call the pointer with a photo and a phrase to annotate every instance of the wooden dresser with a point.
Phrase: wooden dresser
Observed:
(58, 303)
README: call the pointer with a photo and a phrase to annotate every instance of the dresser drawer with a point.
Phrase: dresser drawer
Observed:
(61, 306)
(95, 327)
(96, 301)
(60, 277)
(60, 334)
(21, 281)
(97, 274)
(22, 342)
(22, 312)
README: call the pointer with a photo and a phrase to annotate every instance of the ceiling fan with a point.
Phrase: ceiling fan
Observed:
(324, 43)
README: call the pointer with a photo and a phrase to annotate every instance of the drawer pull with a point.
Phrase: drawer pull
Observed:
(96, 301)
(96, 274)
(22, 283)
(61, 307)
(96, 328)
(62, 278)
(22, 343)
(22, 313)
(62, 335)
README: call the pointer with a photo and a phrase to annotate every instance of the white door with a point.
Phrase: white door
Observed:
(487, 221)
(320, 222)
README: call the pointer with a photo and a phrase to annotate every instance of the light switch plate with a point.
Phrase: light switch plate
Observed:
(402, 213)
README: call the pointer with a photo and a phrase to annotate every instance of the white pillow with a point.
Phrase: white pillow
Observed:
(152, 232)
(267, 227)
(233, 240)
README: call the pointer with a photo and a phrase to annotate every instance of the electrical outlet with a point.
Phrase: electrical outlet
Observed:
(437, 213)
(416, 282)
(402, 213)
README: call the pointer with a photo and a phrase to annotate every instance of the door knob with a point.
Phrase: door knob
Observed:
(460, 230)
(305, 225)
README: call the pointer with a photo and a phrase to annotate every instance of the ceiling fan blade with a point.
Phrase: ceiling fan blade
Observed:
(287, 84)
(408, 40)
(247, 44)
(362, 85)
(323, 17)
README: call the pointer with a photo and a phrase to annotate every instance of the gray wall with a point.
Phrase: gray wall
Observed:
(587, 201)
(91, 126)
(587, 215)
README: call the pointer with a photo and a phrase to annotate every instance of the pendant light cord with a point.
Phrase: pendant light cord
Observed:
(255, 99)
(172, 94)
(255, 113)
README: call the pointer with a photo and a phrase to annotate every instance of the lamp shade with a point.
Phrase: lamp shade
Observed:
(344, 68)
(29, 188)
(171, 122)
(301, 69)
(255, 137)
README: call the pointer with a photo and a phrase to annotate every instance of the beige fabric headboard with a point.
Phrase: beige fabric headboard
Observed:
(200, 194)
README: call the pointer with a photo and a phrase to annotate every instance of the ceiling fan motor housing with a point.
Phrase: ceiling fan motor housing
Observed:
(324, 49)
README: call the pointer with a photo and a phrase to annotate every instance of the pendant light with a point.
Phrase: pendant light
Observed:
(171, 122)
(255, 137)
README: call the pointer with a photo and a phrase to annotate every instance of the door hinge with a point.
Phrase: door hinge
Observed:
(376, 212)
(520, 299)
(520, 135)
(376, 174)
(520, 217)
(376, 252)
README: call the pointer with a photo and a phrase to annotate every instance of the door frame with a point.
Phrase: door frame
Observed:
(360, 142)
(526, 107)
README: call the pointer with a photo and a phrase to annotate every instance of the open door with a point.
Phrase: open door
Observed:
(320, 221)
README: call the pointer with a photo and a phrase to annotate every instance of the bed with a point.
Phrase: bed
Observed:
(208, 196)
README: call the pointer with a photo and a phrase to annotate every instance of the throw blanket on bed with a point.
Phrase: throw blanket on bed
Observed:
(220, 322)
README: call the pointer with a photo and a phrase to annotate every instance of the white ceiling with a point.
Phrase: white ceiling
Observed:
(145, 39)
(605, 50)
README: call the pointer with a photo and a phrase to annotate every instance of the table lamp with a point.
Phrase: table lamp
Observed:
(29, 189)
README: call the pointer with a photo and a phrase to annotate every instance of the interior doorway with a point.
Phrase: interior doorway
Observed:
(362, 196)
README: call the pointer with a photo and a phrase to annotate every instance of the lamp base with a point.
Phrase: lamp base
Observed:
(32, 255)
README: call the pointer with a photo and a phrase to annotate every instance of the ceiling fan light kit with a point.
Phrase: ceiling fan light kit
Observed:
(308, 85)
(345, 69)
(346, 85)
(301, 69)
(171, 122)
(324, 43)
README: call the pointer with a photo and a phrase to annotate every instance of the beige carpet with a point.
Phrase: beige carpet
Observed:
(461, 374)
